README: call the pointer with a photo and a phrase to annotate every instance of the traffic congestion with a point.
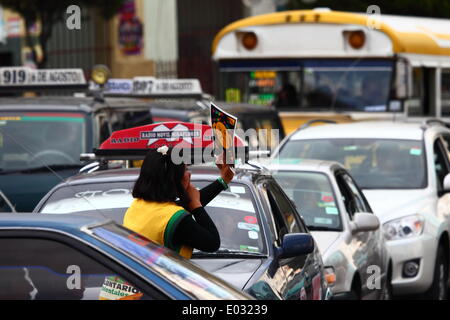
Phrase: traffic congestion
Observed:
(317, 170)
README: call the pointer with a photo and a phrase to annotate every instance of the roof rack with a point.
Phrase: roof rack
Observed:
(429, 122)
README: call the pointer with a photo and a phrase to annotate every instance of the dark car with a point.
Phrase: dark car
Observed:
(266, 250)
(41, 139)
(68, 257)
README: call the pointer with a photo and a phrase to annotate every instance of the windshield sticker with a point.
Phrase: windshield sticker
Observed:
(253, 235)
(248, 248)
(331, 210)
(232, 202)
(327, 199)
(115, 288)
(237, 189)
(248, 226)
(350, 148)
(111, 192)
(251, 219)
(326, 204)
(323, 221)
(415, 151)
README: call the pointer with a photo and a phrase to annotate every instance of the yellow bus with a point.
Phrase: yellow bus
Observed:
(337, 65)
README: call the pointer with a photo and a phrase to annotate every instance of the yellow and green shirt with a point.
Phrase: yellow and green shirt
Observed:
(157, 221)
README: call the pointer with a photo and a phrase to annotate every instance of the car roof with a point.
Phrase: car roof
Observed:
(306, 165)
(66, 222)
(44, 102)
(69, 103)
(363, 129)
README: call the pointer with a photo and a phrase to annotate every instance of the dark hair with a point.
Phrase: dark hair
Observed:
(160, 179)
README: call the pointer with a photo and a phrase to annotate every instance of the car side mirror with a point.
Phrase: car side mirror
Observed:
(296, 244)
(363, 221)
(446, 184)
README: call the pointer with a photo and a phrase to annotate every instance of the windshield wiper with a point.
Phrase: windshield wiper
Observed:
(54, 167)
(227, 253)
(322, 228)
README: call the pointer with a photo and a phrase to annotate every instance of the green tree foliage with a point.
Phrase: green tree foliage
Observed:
(422, 8)
(50, 12)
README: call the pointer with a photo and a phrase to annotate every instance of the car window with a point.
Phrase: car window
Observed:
(313, 195)
(347, 196)
(373, 163)
(236, 218)
(440, 163)
(284, 210)
(361, 202)
(34, 139)
(35, 268)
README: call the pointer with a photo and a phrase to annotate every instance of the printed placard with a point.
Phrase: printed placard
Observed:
(24, 76)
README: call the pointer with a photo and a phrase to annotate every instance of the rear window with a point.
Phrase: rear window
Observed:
(373, 163)
(233, 211)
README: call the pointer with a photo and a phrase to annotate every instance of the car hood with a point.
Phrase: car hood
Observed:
(235, 271)
(324, 239)
(392, 204)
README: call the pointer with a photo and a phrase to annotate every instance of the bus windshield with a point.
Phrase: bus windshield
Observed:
(319, 84)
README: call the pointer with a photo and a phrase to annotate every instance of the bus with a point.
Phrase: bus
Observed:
(336, 65)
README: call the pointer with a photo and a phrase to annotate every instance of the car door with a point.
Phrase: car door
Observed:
(303, 273)
(41, 265)
(365, 246)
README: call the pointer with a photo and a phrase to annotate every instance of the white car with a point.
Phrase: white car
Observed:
(403, 169)
(342, 223)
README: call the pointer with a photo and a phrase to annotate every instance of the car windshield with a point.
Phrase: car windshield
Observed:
(313, 196)
(179, 272)
(233, 211)
(374, 163)
(36, 139)
(322, 84)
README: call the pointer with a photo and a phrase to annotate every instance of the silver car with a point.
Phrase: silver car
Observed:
(341, 221)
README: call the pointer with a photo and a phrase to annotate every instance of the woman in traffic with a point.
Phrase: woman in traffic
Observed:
(166, 204)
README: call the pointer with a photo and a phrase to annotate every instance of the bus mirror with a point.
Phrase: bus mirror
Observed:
(403, 80)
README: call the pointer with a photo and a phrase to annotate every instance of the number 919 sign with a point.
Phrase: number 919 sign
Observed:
(13, 76)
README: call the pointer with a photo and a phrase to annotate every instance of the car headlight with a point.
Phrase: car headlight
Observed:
(403, 228)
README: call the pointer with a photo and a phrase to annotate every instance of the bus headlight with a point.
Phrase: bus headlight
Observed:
(406, 227)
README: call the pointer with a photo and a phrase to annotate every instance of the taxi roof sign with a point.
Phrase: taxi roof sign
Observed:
(151, 87)
(25, 78)
(134, 143)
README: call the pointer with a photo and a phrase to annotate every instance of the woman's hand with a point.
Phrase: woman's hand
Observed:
(226, 171)
(194, 196)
